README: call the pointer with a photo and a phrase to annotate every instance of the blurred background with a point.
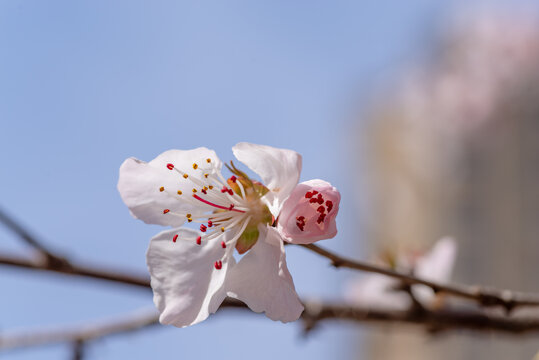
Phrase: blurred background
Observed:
(424, 114)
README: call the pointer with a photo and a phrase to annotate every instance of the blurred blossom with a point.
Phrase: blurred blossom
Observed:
(484, 58)
(380, 291)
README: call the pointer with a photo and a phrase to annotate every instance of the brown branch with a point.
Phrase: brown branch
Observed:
(314, 314)
(96, 272)
(54, 259)
(483, 296)
(432, 320)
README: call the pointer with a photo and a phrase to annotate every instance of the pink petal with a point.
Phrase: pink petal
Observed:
(308, 215)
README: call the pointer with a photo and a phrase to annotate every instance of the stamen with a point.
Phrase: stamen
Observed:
(195, 166)
(170, 166)
(300, 222)
(189, 219)
(218, 265)
(161, 189)
(223, 229)
(175, 238)
(203, 228)
(179, 192)
(188, 215)
(210, 223)
(223, 244)
(185, 176)
(208, 160)
(321, 209)
(233, 178)
(166, 211)
(199, 240)
(329, 204)
(308, 195)
(206, 175)
(215, 205)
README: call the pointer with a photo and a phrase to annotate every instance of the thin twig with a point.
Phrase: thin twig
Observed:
(96, 272)
(483, 296)
(54, 259)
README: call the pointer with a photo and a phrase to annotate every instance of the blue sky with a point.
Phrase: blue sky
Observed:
(86, 84)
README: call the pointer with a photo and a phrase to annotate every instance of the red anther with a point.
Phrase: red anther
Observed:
(223, 244)
(202, 227)
(320, 199)
(233, 178)
(199, 240)
(321, 218)
(315, 192)
(170, 166)
(210, 223)
(166, 211)
(218, 265)
(224, 189)
(308, 195)
(313, 200)
(230, 192)
(204, 191)
(175, 238)
(301, 226)
(329, 204)
(321, 209)
(231, 207)
(300, 218)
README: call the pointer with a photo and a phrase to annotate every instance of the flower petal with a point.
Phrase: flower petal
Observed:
(378, 292)
(279, 169)
(308, 215)
(186, 285)
(436, 265)
(140, 184)
(261, 279)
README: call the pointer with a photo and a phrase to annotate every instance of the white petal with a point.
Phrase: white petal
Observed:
(139, 185)
(279, 169)
(436, 265)
(262, 281)
(186, 285)
(377, 291)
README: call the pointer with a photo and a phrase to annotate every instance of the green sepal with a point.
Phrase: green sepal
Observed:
(247, 240)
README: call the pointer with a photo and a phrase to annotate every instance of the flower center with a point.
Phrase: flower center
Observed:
(233, 205)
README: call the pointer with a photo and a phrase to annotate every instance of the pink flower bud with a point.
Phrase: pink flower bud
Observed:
(308, 215)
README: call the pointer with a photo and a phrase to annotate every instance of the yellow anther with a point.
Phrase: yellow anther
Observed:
(189, 219)
(194, 190)
(188, 216)
(185, 176)
(161, 189)
(206, 175)
(222, 229)
(211, 187)
(208, 160)
(195, 166)
(205, 188)
(179, 192)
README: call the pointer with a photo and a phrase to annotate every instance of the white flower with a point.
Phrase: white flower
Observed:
(380, 291)
(193, 271)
